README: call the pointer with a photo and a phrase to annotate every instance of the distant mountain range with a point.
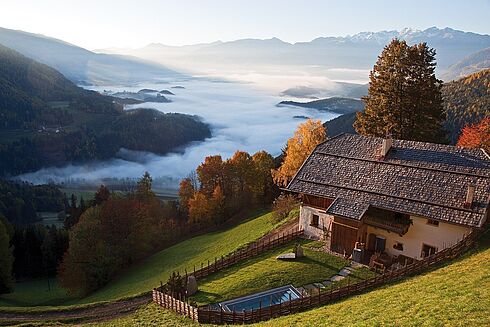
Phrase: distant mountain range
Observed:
(471, 64)
(358, 51)
(82, 66)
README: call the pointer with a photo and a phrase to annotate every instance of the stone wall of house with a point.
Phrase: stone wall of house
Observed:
(305, 220)
(421, 233)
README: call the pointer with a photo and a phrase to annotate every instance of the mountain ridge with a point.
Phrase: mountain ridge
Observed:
(80, 65)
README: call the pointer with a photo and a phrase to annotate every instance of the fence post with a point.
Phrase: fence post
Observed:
(221, 315)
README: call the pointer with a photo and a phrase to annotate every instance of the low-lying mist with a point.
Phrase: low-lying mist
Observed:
(241, 118)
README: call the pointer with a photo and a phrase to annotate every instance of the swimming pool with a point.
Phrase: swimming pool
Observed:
(263, 299)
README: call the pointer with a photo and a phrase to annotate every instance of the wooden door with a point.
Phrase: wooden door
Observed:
(343, 238)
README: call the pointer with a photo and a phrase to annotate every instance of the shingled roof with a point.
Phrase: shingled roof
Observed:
(417, 178)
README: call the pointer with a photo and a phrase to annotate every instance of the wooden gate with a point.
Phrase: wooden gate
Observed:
(344, 238)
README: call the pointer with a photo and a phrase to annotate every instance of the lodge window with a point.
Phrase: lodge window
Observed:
(398, 246)
(314, 220)
(427, 250)
(432, 222)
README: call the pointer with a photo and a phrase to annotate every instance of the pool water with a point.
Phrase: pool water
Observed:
(263, 299)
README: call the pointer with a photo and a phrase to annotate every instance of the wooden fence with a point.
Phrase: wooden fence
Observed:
(209, 315)
(180, 304)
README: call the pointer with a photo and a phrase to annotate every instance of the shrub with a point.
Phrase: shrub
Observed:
(283, 205)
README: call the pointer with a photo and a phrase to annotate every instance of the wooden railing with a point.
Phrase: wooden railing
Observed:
(180, 303)
(209, 315)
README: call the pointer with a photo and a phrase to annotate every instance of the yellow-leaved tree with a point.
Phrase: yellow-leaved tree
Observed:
(305, 139)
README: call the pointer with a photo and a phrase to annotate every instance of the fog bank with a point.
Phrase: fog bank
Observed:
(241, 118)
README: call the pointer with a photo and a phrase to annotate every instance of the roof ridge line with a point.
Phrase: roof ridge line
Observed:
(400, 164)
(391, 196)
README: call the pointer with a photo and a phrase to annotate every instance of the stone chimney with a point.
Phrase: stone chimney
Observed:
(470, 194)
(387, 143)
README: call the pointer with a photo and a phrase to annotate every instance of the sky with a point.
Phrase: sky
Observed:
(96, 24)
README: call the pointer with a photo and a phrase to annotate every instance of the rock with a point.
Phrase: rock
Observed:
(344, 272)
(286, 256)
(337, 278)
(191, 286)
(299, 252)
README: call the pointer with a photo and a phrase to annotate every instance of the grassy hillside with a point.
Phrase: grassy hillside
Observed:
(148, 274)
(457, 294)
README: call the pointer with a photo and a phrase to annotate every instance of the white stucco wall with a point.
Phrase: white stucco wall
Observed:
(305, 217)
(420, 232)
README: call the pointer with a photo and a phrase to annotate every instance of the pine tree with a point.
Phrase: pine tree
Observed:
(143, 188)
(101, 195)
(6, 260)
(404, 98)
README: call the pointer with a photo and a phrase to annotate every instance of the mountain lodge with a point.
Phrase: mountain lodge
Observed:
(390, 199)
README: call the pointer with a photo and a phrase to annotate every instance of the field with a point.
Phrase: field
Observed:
(35, 293)
(265, 271)
(457, 294)
(144, 276)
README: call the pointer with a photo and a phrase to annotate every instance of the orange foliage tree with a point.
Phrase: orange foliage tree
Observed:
(476, 135)
(227, 187)
(305, 139)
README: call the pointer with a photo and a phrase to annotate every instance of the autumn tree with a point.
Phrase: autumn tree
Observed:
(404, 97)
(210, 173)
(305, 139)
(239, 176)
(476, 136)
(199, 208)
(263, 188)
(217, 205)
(186, 192)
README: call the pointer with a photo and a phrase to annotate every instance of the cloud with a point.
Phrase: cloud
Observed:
(241, 117)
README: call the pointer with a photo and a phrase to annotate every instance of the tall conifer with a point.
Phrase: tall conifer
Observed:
(404, 98)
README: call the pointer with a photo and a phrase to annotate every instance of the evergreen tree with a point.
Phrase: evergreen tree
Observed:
(101, 195)
(73, 202)
(6, 260)
(143, 188)
(404, 98)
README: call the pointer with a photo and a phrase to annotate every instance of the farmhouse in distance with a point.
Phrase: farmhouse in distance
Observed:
(394, 199)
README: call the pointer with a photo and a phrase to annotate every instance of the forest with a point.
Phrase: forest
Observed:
(49, 121)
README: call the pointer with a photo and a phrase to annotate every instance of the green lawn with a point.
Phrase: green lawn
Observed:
(265, 271)
(35, 293)
(457, 294)
(142, 277)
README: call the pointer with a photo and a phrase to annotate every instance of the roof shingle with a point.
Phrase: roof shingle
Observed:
(418, 178)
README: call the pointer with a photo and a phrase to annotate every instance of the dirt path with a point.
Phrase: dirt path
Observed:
(107, 311)
(100, 312)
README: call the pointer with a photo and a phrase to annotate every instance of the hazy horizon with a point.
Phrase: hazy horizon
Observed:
(111, 24)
